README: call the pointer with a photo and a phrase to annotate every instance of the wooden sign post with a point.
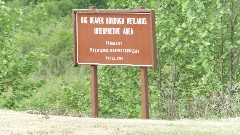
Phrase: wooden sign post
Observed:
(94, 91)
(144, 92)
(115, 38)
(144, 89)
(94, 87)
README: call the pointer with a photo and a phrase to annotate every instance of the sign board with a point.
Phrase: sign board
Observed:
(114, 37)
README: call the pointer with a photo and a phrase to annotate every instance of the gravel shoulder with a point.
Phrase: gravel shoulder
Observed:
(23, 123)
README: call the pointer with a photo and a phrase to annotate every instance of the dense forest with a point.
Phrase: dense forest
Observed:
(198, 56)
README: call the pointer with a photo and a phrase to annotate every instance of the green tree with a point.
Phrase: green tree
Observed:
(8, 68)
(198, 53)
(15, 67)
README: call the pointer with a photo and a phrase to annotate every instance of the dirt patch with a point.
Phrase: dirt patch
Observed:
(18, 123)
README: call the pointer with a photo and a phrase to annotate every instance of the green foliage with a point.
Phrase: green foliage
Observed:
(100, 4)
(68, 95)
(15, 66)
(119, 92)
(189, 35)
(25, 91)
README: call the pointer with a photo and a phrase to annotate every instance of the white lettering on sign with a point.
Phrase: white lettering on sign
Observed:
(106, 30)
(112, 31)
(128, 31)
(84, 20)
(113, 58)
(98, 50)
(117, 50)
(114, 20)
(133, 51)
(113, 43)
(136, 21)
(96, 20)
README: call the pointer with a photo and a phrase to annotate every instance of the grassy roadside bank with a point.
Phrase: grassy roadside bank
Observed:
(19, 123)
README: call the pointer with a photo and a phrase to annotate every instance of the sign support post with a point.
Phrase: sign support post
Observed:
(94, 86)
(144, 88)
(94, 91)
(144, 92)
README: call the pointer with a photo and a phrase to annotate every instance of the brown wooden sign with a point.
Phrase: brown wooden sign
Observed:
(114, 37)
